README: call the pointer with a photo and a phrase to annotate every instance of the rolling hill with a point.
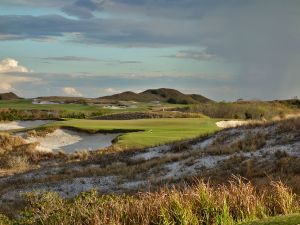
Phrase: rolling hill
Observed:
(8, 96)
(161, 94)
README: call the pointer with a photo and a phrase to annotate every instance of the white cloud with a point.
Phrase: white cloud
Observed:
(11, 65)
(72, 91)
(110, 90)
(8, 80)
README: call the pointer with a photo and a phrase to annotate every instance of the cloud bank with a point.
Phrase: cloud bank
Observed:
(8, 79)
(11, 65)
(71, 91)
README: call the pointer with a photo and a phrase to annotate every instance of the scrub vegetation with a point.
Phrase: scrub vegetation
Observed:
(257, 110)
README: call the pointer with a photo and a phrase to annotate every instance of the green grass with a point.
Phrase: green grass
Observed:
(293, 219)
(151, 132)
(26, 104)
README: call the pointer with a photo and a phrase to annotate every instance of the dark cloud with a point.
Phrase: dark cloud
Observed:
(87, 59)
(82, 8)
(195, 55)
(100, 31)
(262, 41)
(71, 58)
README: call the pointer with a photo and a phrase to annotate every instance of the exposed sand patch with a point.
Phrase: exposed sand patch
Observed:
(112, 107)
(23, 124)
(10, 126)
(203, 144)
(236, 123)
(71, 141)
(153, 152)
(54, 141)
(36, 102)
(231, 123)
(290, 116)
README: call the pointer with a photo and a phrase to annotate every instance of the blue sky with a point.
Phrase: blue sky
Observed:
(222, 49)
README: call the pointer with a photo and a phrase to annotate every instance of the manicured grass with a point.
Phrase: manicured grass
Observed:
(293, 219)
(151, 132)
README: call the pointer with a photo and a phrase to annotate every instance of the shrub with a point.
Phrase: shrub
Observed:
(172, 100)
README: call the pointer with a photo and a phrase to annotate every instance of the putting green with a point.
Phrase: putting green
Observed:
(147, 132)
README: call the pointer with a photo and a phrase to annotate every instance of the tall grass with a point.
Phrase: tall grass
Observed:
(201, 203)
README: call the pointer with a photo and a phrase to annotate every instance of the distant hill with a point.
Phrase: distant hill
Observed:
(9, 96)
(161, 94)
(200, 98)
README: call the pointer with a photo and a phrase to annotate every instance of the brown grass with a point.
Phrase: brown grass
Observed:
(201, 203)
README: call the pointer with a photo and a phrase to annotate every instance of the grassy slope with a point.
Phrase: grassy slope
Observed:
(155, 131)
(293, 219)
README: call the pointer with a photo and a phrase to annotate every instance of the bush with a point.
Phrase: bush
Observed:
(172, 100)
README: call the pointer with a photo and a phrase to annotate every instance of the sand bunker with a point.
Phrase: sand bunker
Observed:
(231, 123)
(71, 141)
(23, 124)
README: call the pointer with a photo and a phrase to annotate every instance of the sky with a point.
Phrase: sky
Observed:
(222, 49)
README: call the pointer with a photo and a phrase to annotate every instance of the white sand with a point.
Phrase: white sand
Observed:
(71, 141)
(23, 124)
(45, 103)
(54, 141)
(231, 123)
(111, 107)
(10, 126)
(153, 152)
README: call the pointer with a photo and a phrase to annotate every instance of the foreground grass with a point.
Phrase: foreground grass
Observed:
(192, 205)
(293, 219)
(148, 132)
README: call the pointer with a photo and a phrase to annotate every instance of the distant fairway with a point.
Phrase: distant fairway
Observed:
(148, 132)
(26, 104)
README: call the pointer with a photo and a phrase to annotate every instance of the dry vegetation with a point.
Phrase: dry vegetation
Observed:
(201, 203)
